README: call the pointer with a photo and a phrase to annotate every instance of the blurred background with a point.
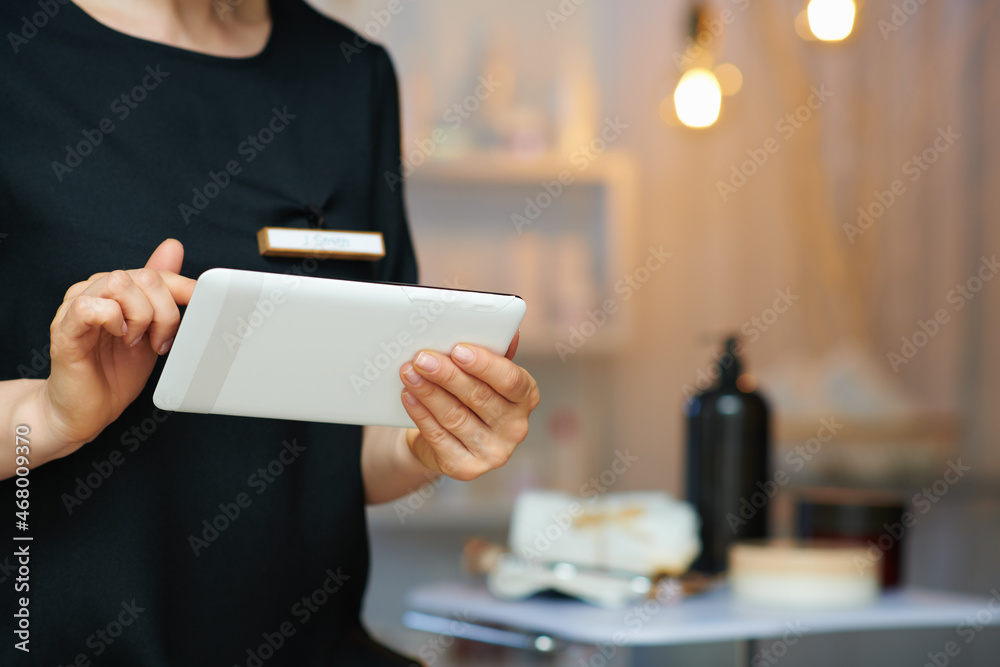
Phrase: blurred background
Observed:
(654, 176)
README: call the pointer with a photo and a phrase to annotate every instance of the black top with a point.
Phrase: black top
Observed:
(109, 145)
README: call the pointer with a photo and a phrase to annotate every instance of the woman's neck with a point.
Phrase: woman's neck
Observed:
(226, 28)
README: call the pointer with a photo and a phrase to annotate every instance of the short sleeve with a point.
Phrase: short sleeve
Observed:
(388, 207)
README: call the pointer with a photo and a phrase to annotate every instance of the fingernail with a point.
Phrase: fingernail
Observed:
(463, 355)
(136, 341)
(124, 328)
(412, 376)
(409, 398)
(426, 362)
(166, 346)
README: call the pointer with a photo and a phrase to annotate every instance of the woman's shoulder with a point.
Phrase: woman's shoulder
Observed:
(306, 16)
(322, 35)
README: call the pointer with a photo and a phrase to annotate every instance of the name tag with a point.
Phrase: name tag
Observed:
(326, 243)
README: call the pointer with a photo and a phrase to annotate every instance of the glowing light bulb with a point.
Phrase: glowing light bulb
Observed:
(698, 98)
(831, 20)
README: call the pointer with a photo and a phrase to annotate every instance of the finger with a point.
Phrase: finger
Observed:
(512, 348)
(166, 316)
(79, 288)
(488, 405)
(444, 451)
(507, 378)
(61, 311)
(119, 286)
(168, 256)
(180, 287)
(82, 317)
(447, 410)
(76, 290)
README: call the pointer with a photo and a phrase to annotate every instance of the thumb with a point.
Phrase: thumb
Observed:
(168, 256)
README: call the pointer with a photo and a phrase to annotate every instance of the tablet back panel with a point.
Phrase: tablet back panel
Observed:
(292, 347)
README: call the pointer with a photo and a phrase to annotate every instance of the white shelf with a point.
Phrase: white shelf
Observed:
(462, 210)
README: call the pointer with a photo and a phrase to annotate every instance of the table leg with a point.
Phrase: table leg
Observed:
(744, 652)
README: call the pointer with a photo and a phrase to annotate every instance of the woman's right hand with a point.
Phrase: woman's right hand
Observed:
(105, 338)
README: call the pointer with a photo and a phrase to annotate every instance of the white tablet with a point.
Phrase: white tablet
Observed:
(312, 349)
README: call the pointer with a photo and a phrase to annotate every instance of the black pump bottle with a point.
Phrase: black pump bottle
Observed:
(728, 462)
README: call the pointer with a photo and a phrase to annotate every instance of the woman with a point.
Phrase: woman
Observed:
(182, 539)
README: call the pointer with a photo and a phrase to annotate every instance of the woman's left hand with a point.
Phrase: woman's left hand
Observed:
(471, 409)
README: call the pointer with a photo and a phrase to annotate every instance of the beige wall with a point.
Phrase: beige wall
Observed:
(783, 228)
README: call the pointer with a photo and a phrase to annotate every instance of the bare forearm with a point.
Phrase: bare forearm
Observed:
(21, 406)
(389, 468)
